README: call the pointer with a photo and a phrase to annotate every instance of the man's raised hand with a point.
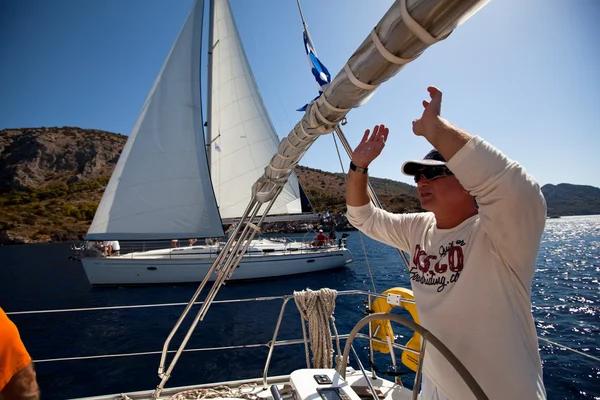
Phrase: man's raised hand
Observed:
(430, 119)
(370, 146)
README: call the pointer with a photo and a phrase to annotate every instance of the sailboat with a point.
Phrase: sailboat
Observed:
(170, 183)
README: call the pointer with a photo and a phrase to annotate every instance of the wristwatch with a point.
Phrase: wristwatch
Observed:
(360, 170)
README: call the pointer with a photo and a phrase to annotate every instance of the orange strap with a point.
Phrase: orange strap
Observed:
(13, 355)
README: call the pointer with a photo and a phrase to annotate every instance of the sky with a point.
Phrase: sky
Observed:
(521, 74)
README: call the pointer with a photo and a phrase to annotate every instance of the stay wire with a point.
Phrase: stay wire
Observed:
(359, 232)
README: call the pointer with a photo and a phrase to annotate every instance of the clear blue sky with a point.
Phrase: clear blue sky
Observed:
(521, 74)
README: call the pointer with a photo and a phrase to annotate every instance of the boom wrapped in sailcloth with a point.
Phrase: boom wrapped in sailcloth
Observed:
(405, 31)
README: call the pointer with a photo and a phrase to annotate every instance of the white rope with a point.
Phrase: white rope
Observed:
(321, 117)
(317, 308)
(355, 81)
(568, 348)
(254, 226)
(415, 27)
(333, 108)
(394, 59)
(218, 392)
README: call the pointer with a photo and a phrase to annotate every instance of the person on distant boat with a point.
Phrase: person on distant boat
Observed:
(174, 243)
(111, 248)
(472, 256)
(192, 241)
(17, 374)
(106, 248)
(115, 248)
(331, 237)
(321, 239)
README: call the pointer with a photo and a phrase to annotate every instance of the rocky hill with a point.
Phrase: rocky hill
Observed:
(52, 179)
(34, 158)
(565, 199)
(327, 191)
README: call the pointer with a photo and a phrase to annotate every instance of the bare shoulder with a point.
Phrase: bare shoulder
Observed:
(22, 386)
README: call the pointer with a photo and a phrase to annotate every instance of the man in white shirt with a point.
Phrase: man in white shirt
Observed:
(111, 248)
(472, 257)
(115, 248)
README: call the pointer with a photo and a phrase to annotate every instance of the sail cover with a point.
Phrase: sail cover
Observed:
(242, 136)
(160, 188)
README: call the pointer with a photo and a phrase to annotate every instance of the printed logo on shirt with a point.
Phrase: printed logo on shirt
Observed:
(441, 269)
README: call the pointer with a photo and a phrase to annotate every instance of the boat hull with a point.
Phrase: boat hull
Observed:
(135, 271)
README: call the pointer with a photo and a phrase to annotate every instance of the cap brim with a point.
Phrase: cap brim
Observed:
(411, 167)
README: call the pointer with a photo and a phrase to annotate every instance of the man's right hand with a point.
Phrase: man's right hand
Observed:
(370, 147)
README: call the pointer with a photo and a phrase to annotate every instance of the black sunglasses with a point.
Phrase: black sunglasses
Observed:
(431, 173)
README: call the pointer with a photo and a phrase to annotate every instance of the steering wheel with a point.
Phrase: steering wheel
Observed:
(427, 337)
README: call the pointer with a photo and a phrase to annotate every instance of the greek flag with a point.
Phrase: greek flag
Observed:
(319, 71)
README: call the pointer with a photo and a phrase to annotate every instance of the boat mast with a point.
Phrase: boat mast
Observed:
(209, 135)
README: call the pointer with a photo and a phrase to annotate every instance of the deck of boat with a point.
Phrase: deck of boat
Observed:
(355, 385)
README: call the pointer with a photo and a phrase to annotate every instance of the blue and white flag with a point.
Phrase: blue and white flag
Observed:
(319, 71)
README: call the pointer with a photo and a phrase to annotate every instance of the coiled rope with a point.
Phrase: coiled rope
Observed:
(317, 307)
(245, 391)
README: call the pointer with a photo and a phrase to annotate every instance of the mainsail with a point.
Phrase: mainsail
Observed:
(160, 188)
(241, 134)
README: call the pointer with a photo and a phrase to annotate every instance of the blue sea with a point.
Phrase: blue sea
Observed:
(565, 294)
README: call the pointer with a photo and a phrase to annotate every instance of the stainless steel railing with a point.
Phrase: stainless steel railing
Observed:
(270, 345)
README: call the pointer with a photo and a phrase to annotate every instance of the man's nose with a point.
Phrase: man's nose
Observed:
(422, 181)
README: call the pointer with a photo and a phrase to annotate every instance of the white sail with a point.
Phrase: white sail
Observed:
(160, 188)
(242, 136)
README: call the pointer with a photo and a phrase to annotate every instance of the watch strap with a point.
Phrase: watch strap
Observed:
(358, 169)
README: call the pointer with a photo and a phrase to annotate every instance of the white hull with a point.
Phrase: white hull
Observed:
(191, 264)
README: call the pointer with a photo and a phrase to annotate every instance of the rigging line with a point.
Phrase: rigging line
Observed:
(301, 14)
(287, 117)
(137, 306)
(359, 232)
(212, 141)
(146, 353)
(568, 348)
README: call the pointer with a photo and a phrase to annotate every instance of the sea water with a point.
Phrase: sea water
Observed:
(565, 296)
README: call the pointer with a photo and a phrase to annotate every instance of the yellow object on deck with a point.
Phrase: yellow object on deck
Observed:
(384, 328)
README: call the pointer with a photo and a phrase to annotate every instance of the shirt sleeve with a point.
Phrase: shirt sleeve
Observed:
(13, 355)
(389, 228)
(512, 209)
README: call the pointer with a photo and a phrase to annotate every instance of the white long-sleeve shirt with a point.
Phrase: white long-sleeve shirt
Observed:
(472, 283)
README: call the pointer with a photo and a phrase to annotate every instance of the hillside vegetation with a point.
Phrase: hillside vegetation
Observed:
(52, 179)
